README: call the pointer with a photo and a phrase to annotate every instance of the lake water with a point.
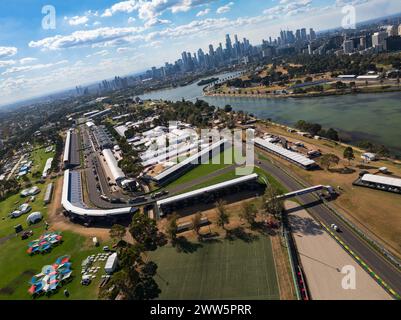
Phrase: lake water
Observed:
(373, 117)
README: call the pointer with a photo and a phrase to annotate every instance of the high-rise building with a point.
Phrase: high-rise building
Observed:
(298, 34)
(312, 34)
(228, 45)
(362, 43)
(348, 46)
(392, 31)
(304, 37)
(399, 30)
(379, 40)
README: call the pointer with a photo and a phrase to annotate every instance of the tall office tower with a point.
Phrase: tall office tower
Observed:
(184, 61)
(283, 37)
(211, 50)
(312, 34)
(362, 43)
(303, 34)
(270, 40)
(379, 40)
(298, 35)
(290, 37)
(392, 31)
(399, 30)
(228, 45)
(348, 46)
(201, 58)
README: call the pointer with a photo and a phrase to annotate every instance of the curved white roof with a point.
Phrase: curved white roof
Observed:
(67, 205)
(111, 161)
(67, 147)
(290, 155)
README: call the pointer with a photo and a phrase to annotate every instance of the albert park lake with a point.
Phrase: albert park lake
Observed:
(375, 117)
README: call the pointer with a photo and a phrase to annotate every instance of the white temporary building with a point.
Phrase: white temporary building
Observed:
(66, 158)
(190, 160)
(381, 180)
(111, 263)
(116, 172)
(47, 167)
(291, 156)
(34, 218)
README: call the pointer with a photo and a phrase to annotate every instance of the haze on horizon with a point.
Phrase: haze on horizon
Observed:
(95, 40)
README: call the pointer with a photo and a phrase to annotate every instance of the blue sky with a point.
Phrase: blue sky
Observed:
(97, 39)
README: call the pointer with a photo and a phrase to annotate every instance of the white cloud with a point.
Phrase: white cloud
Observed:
(101, 53)
(155, 22)
(33, 67)
(124, 6)
(153, 8)
(27, 60)
(225, 9)
(203, 12)
(131, 20)
(6, 52)
(84, 38)
(77, 20)
(288, 8)
(6, 63)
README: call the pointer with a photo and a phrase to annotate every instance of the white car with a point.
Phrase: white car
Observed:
(335, 227)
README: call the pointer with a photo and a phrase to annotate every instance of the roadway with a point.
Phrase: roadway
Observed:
(389, 273)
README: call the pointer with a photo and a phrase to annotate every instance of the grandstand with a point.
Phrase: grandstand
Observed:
(187, 164)
(291, 156)
(71, 152)
(206, 195)
(73, 203)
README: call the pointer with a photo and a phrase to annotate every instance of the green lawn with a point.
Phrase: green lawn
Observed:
(216, 163)
(220, 270)
(11, 203)
(17, 267)
(39, 157)
(263, 176)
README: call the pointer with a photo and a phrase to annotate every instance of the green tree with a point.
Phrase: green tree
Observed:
(329, 159)
(349, 154)
(172, 227)
(272, 203)
(196, 223)
(145, 232)
(248, 213)
(117, 232)
(223, 217)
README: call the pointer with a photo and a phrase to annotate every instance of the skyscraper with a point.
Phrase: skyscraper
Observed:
(228, 45)
(303, 34)
(312, 34)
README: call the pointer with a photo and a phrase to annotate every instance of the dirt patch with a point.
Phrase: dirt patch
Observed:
(285, 282)
(59, 222)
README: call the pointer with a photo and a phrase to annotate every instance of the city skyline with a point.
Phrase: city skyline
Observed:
(98, 41)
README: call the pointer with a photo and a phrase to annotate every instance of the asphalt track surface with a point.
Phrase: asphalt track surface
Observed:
(384, 269)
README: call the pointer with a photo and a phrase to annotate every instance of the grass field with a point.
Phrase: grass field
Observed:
(220, 270)
(263, 176)
(17, 267)
(39, 157)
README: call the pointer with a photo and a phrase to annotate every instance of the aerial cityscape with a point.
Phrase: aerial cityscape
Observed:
(200, 150)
